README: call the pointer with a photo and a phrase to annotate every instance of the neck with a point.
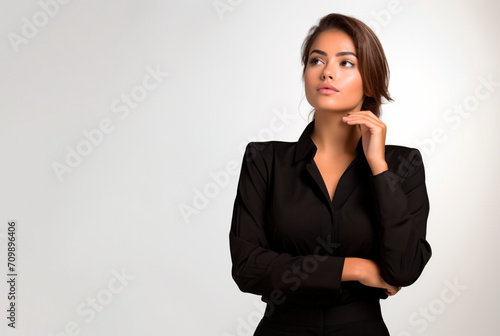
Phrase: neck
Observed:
(333, 136)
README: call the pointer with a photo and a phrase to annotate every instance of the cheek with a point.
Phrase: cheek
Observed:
(307, 83)
(355, 84)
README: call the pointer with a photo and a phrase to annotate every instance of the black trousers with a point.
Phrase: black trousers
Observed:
(360, 318)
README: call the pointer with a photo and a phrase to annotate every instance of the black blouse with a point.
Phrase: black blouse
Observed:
(288, 240)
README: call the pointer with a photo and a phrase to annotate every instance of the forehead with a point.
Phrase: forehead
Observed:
(333, 41)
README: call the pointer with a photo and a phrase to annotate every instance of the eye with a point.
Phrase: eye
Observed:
(347, 63)
(314, 60)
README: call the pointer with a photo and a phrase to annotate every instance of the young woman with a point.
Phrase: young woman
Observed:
(325, 227)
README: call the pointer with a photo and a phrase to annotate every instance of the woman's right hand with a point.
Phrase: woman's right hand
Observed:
(370, 276)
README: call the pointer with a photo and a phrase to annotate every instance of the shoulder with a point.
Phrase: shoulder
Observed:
(269, 149)
(260, 156)
(265, 156)
(404, 161)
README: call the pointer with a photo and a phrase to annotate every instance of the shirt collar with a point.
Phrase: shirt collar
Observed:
(306, 147)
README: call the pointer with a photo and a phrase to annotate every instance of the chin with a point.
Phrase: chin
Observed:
(334, 109)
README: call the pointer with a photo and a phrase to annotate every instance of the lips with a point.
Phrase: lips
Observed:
(326, 86)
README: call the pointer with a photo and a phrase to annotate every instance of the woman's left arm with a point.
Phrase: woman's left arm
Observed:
(401, 202)
(402, 207)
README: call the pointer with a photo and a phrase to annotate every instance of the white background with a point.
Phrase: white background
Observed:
(230, 72)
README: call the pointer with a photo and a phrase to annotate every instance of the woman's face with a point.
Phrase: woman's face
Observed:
(332, 59)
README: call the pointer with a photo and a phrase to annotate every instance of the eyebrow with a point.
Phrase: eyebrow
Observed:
(342, 53)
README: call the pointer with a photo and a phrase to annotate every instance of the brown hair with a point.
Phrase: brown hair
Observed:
(372, 62)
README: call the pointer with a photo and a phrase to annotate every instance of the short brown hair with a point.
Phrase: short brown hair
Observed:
(372, 62)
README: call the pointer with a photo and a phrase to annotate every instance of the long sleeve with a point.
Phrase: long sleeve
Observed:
(256, 268)
(402, 208)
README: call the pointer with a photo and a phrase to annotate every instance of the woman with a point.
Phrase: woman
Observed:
(325, 227)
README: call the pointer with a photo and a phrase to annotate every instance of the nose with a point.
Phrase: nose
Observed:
(327, 73)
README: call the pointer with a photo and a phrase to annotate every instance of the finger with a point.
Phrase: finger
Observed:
(370, 128)
(370, 123)
(394, 290)
(352, 120)
(364, 115)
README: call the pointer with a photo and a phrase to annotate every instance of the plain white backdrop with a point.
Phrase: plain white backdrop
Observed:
(123, 125)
